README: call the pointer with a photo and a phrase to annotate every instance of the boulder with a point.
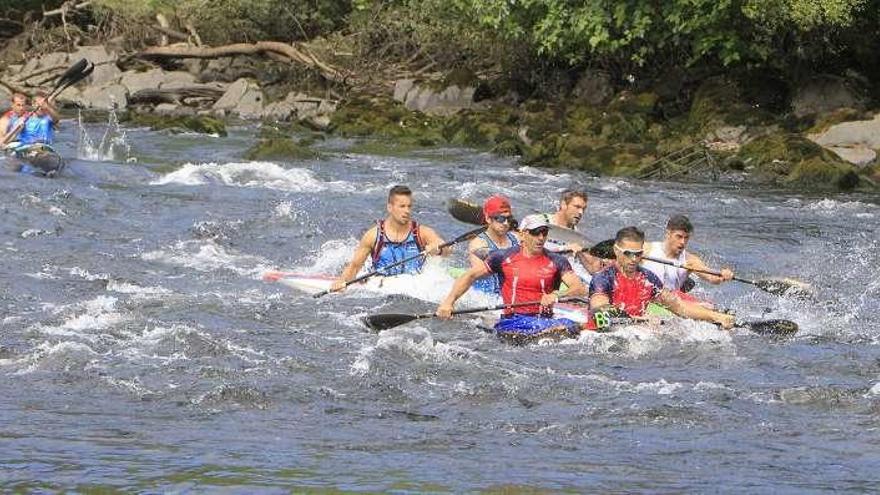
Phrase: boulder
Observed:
(242, 98)
(447, 102)
(298, 106)
(401, 88)
(106, 70)
(859, 156)
(5, 97)
(593, 88)
(177, 79)
(825, 93)
(108, 97)
(854, 141)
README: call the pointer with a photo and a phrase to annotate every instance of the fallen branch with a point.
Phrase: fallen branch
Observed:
(174, 95)
(170, 32)
(289, 52)
(66, 7)
(12, 87)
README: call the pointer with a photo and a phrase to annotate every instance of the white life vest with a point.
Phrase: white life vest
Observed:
(673, 278)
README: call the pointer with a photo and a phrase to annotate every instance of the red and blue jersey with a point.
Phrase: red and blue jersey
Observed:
(632, 294)
(527, 278)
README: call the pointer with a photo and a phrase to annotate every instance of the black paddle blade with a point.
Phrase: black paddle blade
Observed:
(466, 212)
(388, 320)
(604, 249)
(72, 72)
(770, 327)
(784, 286)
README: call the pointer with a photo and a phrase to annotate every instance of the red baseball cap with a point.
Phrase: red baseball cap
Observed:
(496, 205)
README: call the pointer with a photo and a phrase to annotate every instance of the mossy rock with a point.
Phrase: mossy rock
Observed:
(275, 145)
(826, 120)
(792, 160)
(182, 123)
(718, 102)
(388, 119)
(639, 103)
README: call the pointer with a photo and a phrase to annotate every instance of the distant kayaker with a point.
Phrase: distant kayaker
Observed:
(13, 117)
(627, 288)
(499, 235)
(40, 124)
(392, 239)
(527, 273)
(674, 248)
(36, 126)
(572, 206)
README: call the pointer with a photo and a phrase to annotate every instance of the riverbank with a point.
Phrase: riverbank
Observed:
(736, 127)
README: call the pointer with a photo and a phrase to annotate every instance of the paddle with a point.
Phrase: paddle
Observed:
(465, 211)
(74, 74)
(769, 327)
(385, 321)
(463, 237)
(775, 286)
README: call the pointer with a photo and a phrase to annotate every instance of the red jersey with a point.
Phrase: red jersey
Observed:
(527, 278)
(631, 294)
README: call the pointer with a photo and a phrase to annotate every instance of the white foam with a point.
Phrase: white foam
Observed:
(207, 256)
(252, 174)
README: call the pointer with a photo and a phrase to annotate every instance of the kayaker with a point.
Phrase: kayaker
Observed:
(527, 273)
(13, 117)
(499, 235)
(572, 206)
(626, 287)
(674, 248)
(392, 239)
(39, 126)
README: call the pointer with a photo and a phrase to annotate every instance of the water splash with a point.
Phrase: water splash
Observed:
(111, 147)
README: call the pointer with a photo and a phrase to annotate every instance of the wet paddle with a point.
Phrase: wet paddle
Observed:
(465, 211)
(777, 286)
(769, 327)
(384, 321)
(463, 237)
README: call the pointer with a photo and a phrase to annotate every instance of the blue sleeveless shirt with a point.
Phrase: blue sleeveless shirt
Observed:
(386, 252)
(37, 129)
(492, 283)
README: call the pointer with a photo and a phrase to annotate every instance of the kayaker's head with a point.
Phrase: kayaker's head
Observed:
(678, 233)
(18, 103)
(496, 211)
(629, 247)
(400, 205)
(572, 205)
(39, 101)
(534, 230)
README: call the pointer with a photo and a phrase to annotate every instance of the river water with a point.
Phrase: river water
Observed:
(140, 349)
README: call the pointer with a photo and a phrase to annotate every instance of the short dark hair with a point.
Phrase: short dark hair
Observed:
(680, 222)
(569, 194)
(398, 190)
(629, 234)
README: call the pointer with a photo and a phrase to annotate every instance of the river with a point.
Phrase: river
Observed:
(140, 350)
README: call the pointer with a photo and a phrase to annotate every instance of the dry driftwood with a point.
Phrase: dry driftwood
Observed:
(67, 6)
(174, 95)
(289, 52)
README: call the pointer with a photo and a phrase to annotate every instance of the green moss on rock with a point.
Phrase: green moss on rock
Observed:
(193, 123)
(792, 160)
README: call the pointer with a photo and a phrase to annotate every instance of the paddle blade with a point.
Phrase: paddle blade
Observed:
(388, 320)
(785, 286)
(604, 250)
(466, 212)
(72, 72)
(770, 327)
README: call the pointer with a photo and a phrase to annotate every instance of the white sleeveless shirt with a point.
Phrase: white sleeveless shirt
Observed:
(672, 277)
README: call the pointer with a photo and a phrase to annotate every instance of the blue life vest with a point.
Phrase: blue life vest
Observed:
(491, 283)
(37, 129)
(387, 252)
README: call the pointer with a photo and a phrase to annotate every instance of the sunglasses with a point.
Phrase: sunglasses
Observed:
(540, 231)
(630, 253)
(502, 218)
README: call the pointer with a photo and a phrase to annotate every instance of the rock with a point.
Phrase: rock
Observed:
(796, 161)
(106, 70)
(177, 79)
(727, 138)
(242, 98)
(298, 106)
(5, 98)
(401, 88)
(111, 96)
(180, 123)
(859, 156)
(447, 102)
(593, 88)
(825, 93)
(849, 134)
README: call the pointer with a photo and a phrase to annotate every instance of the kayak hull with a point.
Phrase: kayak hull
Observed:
(37, 159)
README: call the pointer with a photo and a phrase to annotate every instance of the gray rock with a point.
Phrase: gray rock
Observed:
(401, 88)
(232, 96)
(823, 94)
(859, 156)
(594, 88)
(451, 100)
(106, 71)
(177, 79)
(851, 134)
(104, 97)
(136, 81)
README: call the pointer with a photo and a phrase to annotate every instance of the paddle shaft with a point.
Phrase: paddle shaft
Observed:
(697, 270)
(463, 237)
